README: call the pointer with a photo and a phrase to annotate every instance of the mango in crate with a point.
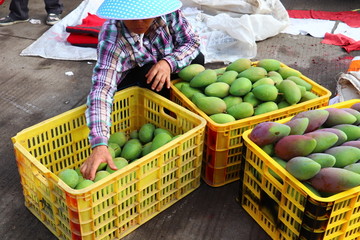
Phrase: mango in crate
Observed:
(222, 118)
(228, 77)
(265, 92)
(250, 98)
(298, 125)
(239, 65)
(162, 130)
(262, 81)
(356, 106)
(312, 189)
(324, 159)
(335, 180)
(294, 146)
(355, 113)
(283, 104)
(100, 175)
(232, 100)
(178, 85)
(290, 91)
(299, 81)
(308, 96)
(190, 71)
(316, 118)
(83, 184)
(69, 176)
(269, 64)
(189, 91)
(282, 164)
(286, 72)
(303, 168)
(352, 131)
(268, 132)
(265, 107)
(119, 163)
(131, 150)
(146, 149)
(352, 143)
(253, 73)
(102, 166)
(275, 76)
(211, 105)
(115, 147)
(338, 116)
(160, 140)
(355, 167)
(240, 87)
(146, 132)
(204, 78)
(241, 110)
(342, 137)
(134, 134)
(324, 140)
(118, 138)
(217, 89)
(196, 96)
(344, 155)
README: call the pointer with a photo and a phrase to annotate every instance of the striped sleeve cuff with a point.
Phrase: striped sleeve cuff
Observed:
(172, 62)
(97, 141)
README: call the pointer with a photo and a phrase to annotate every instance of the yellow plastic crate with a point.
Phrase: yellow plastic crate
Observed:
(223, 142)
(118, 204)
(286, 209)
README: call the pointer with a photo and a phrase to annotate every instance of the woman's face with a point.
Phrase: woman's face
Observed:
(138, 26)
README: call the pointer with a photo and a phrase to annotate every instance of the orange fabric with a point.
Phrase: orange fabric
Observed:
(354, 65)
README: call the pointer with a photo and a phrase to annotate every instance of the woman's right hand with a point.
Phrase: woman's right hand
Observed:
(99, 154)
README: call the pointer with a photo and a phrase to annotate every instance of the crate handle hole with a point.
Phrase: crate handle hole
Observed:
(169, 113)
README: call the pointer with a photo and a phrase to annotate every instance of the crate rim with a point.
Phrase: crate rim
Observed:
(96, 185)
(83, 107)
(329, 199)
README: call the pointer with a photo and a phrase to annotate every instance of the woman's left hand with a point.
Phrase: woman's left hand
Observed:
(159, 75)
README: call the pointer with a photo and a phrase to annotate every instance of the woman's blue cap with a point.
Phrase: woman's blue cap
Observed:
(136, 9)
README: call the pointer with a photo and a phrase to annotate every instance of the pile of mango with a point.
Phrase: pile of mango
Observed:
(124, 150)
(242, 89)
(321, 147)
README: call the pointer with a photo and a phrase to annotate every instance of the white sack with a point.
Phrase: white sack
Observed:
(233, 26)
(348, 86)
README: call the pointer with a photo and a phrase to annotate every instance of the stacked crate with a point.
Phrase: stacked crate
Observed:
(223, 145)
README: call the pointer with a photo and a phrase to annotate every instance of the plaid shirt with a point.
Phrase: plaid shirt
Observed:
(170, 38)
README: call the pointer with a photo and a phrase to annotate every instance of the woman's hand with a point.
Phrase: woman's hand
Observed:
(159, 75)
(99, 154)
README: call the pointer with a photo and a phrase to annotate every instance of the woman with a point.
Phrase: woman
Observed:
(143, 43)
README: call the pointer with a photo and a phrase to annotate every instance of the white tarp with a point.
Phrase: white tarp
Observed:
(53, 44)
(228, 29)
(318, 27)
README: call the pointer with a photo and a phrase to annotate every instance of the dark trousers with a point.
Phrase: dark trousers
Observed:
(136, 77)
(19, 8)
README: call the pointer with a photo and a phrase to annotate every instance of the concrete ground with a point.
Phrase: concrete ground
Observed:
(34, 89)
